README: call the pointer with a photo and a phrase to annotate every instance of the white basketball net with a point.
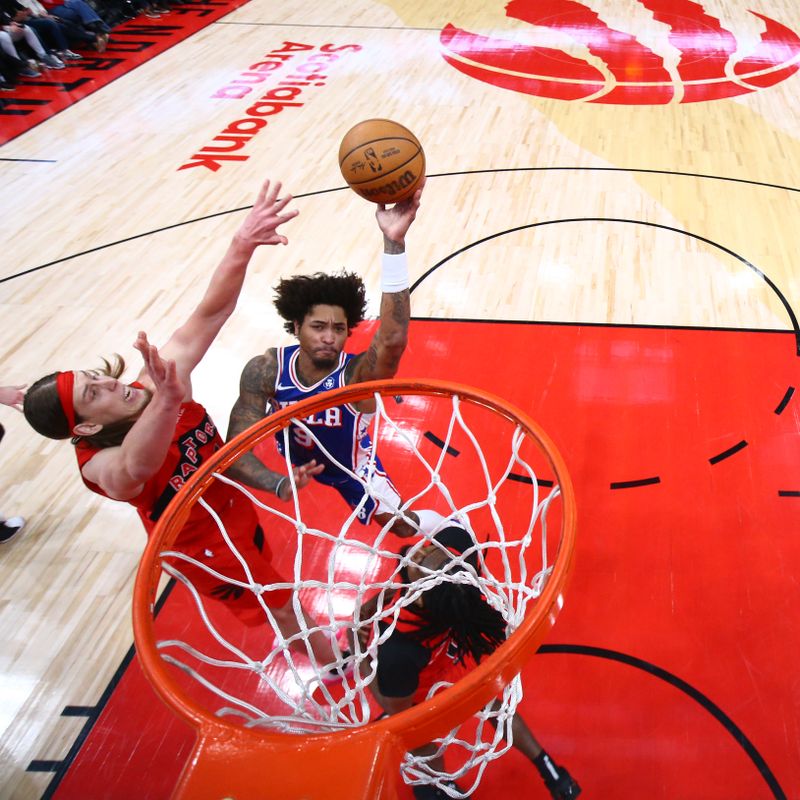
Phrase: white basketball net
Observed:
(514, 559)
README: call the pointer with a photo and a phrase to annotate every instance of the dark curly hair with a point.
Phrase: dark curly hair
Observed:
(458, 611)
(296, 296)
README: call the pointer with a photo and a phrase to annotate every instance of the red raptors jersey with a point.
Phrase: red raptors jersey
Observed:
(440, 665)
(409, 666)
(194, 441)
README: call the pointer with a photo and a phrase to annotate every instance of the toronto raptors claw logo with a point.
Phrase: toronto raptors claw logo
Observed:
(665, 51)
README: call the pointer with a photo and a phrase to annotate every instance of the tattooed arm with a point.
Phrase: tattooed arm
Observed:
(256, 388)
(382, 358)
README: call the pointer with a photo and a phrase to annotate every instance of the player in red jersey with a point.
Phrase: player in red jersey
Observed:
(440, 636)
(139, 442)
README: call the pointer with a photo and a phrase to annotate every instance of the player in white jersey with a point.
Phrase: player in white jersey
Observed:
(321, 311)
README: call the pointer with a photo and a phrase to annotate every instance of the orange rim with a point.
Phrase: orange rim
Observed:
(417, 725)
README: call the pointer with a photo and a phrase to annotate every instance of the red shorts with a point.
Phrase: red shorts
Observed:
(240, 600)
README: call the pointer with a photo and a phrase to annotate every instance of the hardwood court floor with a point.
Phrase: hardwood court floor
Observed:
(660, 233)
(133, 43)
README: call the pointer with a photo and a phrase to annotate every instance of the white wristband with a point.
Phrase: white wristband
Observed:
(394, 272)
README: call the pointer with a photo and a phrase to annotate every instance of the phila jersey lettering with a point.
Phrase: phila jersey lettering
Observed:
(338, 434)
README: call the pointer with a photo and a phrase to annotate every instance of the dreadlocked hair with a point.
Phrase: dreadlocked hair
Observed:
(295, 297)
(458, 611)
(43, 411)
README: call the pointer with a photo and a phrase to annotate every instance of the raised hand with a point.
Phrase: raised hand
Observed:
(162, 372)
(261, 224)
(302, 475)
(395, 221)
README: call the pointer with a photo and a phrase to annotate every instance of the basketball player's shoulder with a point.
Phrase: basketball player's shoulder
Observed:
(260, 371)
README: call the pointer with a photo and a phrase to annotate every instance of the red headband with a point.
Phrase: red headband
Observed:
(65, 383)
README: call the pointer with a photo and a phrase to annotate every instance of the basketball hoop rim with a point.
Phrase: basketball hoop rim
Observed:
(421, 723)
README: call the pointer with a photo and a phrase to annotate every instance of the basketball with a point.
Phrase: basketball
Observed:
(381, 160)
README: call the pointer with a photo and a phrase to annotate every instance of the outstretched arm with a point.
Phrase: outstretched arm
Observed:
(382, 358)
(12, 396)
(121, 472)
(191, 341)
(256, 387)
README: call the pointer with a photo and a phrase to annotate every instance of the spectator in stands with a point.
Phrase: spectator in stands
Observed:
(11, 67)
(80, 13)
(49, 29)
(52, 31)
(7, 46)
(121, 10)
(20, 36)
